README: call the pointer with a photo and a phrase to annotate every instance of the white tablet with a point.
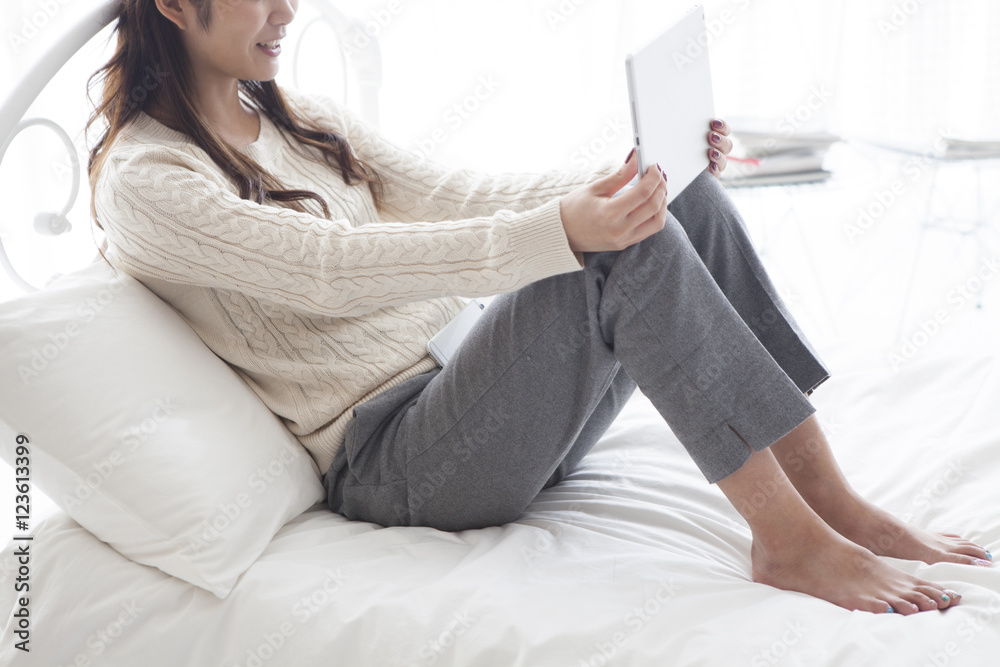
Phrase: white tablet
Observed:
(446, 341)
(670, 90)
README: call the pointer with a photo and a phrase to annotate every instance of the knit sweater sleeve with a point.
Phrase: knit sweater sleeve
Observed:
(421, 189)
(167, 215)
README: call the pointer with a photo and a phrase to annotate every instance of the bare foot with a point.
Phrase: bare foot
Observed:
(817, 561)
(797, 547)
(885, 535)
(808, 462)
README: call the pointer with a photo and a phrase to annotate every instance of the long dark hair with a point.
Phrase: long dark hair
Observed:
(150, 68)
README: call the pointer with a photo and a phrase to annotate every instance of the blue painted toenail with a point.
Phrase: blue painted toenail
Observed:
(945, 598)
(889, 610)
(989, 556)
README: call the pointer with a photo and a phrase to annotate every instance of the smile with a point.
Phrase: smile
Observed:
(272, 48)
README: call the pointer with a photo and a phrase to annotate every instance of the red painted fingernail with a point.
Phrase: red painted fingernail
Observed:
(630, 154)
(717, 124)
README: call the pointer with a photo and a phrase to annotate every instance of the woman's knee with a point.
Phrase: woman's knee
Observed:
(703, 189)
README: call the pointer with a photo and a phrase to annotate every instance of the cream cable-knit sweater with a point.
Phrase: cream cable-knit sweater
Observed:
(319, 315)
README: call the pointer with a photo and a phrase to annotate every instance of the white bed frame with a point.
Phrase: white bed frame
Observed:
(364, 68)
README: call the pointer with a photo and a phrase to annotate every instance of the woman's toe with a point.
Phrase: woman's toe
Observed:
(877, 606)
(938, 596)
(963, 559)
(967, 547)
(902, 606)
(971, 549)
(972, 560)
(944, 597)
(924, 602)
(953, 598)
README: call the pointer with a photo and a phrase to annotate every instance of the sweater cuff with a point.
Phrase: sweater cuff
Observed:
(540, 238)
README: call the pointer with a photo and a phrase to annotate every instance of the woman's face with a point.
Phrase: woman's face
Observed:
(242, 39)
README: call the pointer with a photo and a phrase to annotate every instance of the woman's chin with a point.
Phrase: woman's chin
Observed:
(261, 75)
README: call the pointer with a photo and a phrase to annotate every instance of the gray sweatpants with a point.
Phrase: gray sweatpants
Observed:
(689, 315)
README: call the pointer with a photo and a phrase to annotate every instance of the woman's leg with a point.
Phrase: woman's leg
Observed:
(615, 398)
(794, 549)
(807, 460)
(804, 455)
(718, 234)
(473, 444)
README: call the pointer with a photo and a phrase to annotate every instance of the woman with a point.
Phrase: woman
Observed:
(317, 259)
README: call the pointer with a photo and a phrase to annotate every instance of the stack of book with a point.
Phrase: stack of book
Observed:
(761, 157)
(964, 149)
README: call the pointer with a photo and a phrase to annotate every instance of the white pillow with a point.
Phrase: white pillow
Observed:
(141, 433)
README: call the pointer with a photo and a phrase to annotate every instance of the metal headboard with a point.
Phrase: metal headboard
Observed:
(362, 62)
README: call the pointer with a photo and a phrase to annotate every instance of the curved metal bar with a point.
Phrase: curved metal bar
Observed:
(74, 192)
(30, 87)
(14, 275)
(298, 52)
(365, 60)
(70, 148)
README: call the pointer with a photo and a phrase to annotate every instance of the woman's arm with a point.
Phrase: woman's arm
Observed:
(168, 217)
(420, 189)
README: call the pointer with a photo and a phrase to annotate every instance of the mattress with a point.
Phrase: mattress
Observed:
(632, 560)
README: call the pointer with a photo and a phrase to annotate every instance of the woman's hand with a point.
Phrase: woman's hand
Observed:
(720, 146)
(595, 222)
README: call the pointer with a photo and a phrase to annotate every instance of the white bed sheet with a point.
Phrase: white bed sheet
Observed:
(634, 560)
